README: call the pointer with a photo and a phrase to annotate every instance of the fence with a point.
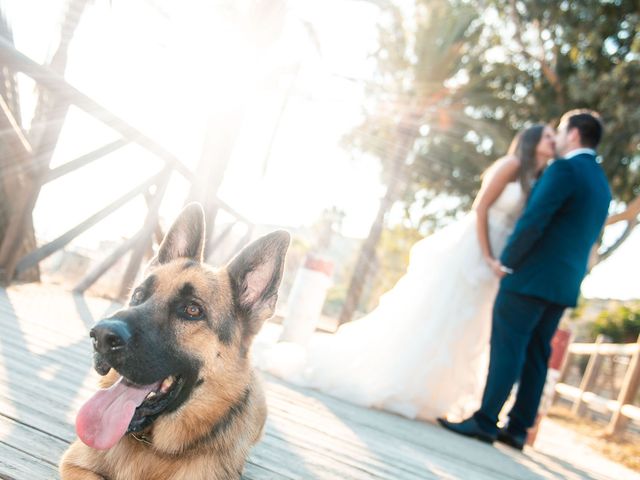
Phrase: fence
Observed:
(153, 188)
(583, 398)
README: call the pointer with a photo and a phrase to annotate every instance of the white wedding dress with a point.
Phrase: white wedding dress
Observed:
(423, 352)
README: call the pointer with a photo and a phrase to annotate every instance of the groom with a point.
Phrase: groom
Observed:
(545, 260)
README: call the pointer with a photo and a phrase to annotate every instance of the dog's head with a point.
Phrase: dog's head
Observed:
(185, 336)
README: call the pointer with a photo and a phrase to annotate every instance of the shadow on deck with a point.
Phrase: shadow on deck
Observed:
(46, 373)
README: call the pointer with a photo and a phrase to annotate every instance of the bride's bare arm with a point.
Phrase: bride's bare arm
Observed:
(496, 179)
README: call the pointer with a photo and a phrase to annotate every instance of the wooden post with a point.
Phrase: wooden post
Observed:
(589, 378)
(10, 244)
(627, 393)
(146, 238)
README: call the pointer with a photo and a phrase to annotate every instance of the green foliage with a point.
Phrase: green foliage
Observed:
(460, 78)
(456, 79)
(622, 324)
(409, 97)
(538, 59)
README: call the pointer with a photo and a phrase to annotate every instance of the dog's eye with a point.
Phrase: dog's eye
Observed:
(137, 296)
(193, 310)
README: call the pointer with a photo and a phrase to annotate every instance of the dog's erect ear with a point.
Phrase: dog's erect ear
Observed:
(185, 238)
(255, 277)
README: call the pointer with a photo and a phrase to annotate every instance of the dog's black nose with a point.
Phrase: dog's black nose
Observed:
(110, 335)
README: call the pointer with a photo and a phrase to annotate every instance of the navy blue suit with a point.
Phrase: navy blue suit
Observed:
(548, 252)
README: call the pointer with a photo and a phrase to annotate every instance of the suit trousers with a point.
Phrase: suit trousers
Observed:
(522, 330)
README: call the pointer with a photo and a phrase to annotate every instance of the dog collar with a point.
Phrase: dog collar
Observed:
(142, 438)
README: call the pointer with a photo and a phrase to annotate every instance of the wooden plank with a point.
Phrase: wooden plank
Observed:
(52, 397)
(373, 427)
(55, 83)
(85, 159)
(404, 469)
(406, 454)
(37, 443)
(592, 400)
(40, 447)
(47, 403)
(43, 447)
(74, 365)
(631, 411)
(308, 463)
(354, 442)
(606, 349)
(18, 465)
(37, 417)
(255, 471)
(57, 323)
(370, 458)
(45, 372)
(46, 399)
(589, 378)
(628, 391)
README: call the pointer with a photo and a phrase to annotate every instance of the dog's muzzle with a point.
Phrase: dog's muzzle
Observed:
(110, 336)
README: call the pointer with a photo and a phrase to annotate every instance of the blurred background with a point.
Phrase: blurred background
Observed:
(360, 126)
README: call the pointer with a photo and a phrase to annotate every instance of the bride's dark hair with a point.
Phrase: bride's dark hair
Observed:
(523, 146)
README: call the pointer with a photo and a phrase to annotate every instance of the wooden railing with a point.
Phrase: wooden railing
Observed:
(583, 398)
(153, 188)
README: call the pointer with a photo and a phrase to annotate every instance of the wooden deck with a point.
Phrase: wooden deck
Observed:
(45, 373)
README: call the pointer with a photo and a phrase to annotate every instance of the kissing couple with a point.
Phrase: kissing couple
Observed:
(490, 286)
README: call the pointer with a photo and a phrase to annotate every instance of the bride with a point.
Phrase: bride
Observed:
(423, 352)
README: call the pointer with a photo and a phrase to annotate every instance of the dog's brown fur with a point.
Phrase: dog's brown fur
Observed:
(209, 436)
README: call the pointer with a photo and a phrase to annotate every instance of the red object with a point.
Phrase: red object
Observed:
(319, 265)
(559, 346)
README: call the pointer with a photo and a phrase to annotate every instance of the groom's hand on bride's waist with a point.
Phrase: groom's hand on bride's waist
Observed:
(497, 267)
(506, 270)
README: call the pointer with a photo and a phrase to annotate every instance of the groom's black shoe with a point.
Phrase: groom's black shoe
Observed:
(514, 440)
(468, 428)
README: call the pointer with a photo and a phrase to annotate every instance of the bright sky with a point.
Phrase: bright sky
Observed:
(163, 77)
(144, 77)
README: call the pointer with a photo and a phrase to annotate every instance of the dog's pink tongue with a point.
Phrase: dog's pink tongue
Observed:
(104, 419)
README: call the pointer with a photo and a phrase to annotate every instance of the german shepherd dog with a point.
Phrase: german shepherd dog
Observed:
(179, 399)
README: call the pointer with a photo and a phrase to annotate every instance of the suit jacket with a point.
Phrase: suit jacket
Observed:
(550, 246)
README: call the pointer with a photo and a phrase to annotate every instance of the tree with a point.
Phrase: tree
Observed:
(621, 324)
(517, 63)
(410, 98)
(396, 243)
(538, 59)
